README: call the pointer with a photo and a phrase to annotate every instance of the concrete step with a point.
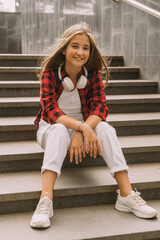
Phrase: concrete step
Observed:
(23, 128)
(80, 187)
(133, 86)
(30, 73)
(17, 129)
(91, 222)
(18, 73)
(33, 60)
(31, 88)
(28, 155)
(19, 88)
(121, 73)
(29, 106)
(114, 61)
(21, 60)
(127, 124)
(133, 103)
(19, 106)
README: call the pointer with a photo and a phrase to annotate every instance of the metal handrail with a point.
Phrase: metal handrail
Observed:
(142, 7)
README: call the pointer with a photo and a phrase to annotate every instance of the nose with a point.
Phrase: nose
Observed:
(80, 51)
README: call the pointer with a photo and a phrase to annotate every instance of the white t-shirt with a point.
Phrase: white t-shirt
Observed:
(69, 102)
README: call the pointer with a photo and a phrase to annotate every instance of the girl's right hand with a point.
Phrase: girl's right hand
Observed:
(91, 140)
(77, 147)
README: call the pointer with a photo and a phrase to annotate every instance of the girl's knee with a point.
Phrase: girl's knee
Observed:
(58, 128)
(51, 132)
(104, 128)
(58, 132)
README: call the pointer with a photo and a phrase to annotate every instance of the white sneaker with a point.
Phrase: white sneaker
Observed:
(43, 213)
(135, 204)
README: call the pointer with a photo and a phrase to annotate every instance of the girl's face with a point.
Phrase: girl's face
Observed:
(77, 52)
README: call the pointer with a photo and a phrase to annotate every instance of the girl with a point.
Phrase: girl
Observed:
(73, 117)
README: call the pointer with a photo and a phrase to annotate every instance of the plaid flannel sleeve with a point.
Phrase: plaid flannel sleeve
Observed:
(98, 100)
(48, 97)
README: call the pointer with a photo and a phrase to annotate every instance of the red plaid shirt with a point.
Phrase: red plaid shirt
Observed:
(92, 97)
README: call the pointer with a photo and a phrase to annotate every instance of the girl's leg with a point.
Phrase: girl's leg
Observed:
(127, 200)
(113, 156)
(56, 141)
(48, 181)
(112, 152)
(123, 182)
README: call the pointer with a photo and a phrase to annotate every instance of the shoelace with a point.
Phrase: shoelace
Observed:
(136, 196)
(43, 206)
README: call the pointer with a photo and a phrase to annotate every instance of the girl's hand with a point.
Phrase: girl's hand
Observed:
(91, 140)
(77, 147)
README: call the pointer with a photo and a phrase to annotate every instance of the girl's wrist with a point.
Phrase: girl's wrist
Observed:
(82, 126)
(79, 127)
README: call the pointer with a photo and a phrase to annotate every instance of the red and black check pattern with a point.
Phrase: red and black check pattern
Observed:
(92, 97)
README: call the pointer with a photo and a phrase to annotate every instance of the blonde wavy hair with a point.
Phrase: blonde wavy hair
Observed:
(95, 62)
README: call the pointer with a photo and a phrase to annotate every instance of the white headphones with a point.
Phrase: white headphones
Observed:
(68, 84)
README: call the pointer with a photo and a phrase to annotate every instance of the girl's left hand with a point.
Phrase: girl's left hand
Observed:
(91, 140)
(77, 147)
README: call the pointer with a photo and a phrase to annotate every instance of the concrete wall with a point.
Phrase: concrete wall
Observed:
(135, 35)
(45, 20)
(120, 29)
(10, 32)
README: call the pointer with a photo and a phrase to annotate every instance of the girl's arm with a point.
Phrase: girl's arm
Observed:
(91, 140)
(97, 104)
(77, 147)
(98, 112)
(93, 120)
(69, 122)
(82, 130)
(48, 97)
(74, 124)
(77, 144)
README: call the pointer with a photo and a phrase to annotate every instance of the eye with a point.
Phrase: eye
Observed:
(86, 48)
(74, 46)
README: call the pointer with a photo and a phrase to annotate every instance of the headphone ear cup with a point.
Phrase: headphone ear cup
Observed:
(82, 82)
(67, 84)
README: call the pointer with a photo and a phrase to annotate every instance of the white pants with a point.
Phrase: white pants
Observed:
(56, 139)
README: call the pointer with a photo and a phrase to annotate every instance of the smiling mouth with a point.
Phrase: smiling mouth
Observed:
(79, 59)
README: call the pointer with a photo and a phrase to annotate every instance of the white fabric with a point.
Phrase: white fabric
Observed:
(57, 138)
(70, 104)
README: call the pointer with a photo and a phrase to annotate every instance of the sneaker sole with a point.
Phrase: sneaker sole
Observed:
(126, 209)
(40, 225)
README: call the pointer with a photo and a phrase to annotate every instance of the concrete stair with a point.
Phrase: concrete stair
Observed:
(30, 73)
(91, 222)
(84, 194)
(135, 103)
(84, 186)
(30, 60)
(23, 128)
(114, 87)
(16, 156)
